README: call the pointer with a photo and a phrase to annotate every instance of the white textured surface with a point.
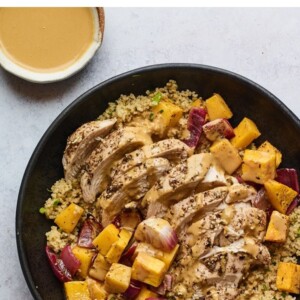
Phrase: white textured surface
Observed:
(261, 44)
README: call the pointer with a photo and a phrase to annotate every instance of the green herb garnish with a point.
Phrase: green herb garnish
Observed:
(298, 232)
(156, 98)
(42, 210)
(56, 202)
(151, 116)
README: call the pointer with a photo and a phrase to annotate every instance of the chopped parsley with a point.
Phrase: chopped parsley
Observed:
(298, 232)
(42, 210)
(156, 98)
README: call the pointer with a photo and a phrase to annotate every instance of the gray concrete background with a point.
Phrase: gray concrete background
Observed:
(261, 44)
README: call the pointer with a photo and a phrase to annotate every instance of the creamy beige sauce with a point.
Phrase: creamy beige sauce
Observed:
(45, 39)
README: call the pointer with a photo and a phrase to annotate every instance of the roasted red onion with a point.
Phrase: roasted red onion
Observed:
(126, 258)
(133, 290)
(197, 118)
(165, 286)
(69, 259)
(58, 267)
(293, 205)
(219, 128)
(288, 177)
(89, 230)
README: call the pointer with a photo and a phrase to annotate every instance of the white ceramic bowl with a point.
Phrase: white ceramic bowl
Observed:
(12, 67)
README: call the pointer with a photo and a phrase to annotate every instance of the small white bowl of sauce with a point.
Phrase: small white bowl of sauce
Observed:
(49, 44)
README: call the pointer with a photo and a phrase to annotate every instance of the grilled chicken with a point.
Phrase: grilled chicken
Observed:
(172, 149)
(81, 144)
(240, 192)
(180, 181)
(130, 186)
(113, 147)
(184, 211)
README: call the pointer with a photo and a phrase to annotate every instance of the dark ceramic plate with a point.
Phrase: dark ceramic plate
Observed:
(276, 122)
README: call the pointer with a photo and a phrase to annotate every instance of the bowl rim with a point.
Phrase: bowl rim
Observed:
(47, 77)
(77, 101)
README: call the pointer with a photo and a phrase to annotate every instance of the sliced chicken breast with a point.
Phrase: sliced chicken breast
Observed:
(172, 149)
(182, 213)
(240, 192)
(180, 181)
(81, 144)
(96, 177)
(130, 186)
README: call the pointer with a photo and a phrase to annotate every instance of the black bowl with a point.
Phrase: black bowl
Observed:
(276, 122)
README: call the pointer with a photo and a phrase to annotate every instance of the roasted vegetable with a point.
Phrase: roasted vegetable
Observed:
(169, 112)
(58, 267)
(117, 279)
(219, 128)
(268, 147)
(133, 290)
(245, 133)
(226, 154)
(288, 177)
(99, 267)
(197, 117)
(258, 166)
(279, 194)
(85, 257)
(77, 290)
(117, 248)
(96, 289)
(108, 236)
(145, 294)
(277, 228)
(288, 277)
(157, 232)
(148, 269)
(217, 108)
(89, 230)
(70, 260)
(69, 217)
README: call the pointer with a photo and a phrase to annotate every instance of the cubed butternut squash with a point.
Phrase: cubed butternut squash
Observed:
(99, 268)
(277, 228)
(85, 257)
(217, 108)
(269, 148)
(117, 279)
(258, 166)
(67, 219)
(77, 290)
(245, 133)
(145, 294)
(227, 155)
(114, 253)
(279, 195)
(288, 277)
(169, 112)
(108, 236)
(148, 269)
(96, 289)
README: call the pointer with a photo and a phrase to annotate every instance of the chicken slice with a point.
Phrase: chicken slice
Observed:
(247, 245)
(81, 144)
(95, 179)
(180, 181)
(181, 213)
(240, 192)
(214, 177)
(172, 149)
(130, 186)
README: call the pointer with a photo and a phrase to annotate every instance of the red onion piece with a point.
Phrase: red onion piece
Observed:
(262, 202)
(126, 258)
(165, 286)
(133, 290)
(58, 267)
(197, 118)
(293, 205)
(218, 128)
(69, 259)
(89, 230)
(288, 177)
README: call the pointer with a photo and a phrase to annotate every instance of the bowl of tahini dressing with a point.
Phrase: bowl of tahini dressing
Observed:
(49, 44)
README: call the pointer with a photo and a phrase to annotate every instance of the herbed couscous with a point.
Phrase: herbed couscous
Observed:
(162, 190)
